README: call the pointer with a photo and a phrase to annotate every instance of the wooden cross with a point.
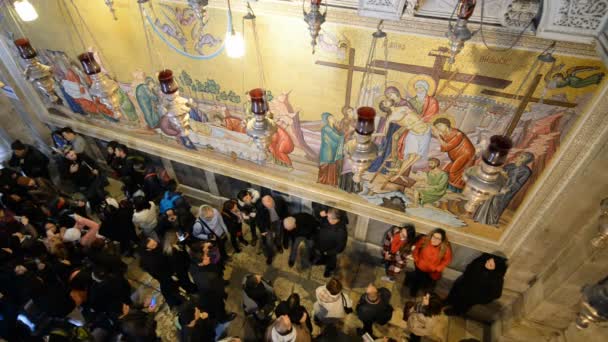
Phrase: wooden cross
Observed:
(437, 72)
(349, 76)
(525, 100)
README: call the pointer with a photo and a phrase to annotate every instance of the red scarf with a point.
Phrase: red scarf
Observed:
(396, 243)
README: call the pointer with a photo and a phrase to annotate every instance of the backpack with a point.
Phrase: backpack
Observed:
(168, 202)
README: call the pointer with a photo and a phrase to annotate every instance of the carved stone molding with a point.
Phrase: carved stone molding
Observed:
(519, 13)
(495, 35)
(381, 9)
(572, 20)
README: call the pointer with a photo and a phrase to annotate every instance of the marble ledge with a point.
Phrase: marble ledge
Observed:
(256, 174)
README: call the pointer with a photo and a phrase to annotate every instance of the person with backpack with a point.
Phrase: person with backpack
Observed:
(172, 199)
(209, 226)
(153, 185)
(374, 307)
(432, 255)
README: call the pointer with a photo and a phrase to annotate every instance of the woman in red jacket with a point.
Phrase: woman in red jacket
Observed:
(432, 255)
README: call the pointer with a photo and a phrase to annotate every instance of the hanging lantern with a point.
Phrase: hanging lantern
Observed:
(199, 7)
(314, 19)
(102, 88)
(260, 127)
(110, 4)
(361, 150)
(38, 74)
(25, 10)
(485, 180)
(458, 34)
(176, 109)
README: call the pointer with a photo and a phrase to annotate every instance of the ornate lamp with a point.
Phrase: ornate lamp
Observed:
(314, 19)
(485, 181)
(260, 127)
(361, 150)
(38, 74)
(458, 34)
(594, 304)
(110, 4)
(176, 108)
(601, 238)
(103, 88)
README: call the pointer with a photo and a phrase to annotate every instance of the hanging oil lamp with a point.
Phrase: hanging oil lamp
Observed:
(102, 88)
(38, 74)
(176, 108)
(260, 127)
(458, 34)
(314, 19)
(486, 180)
(110, 4)
(199, 7)
(361, 150)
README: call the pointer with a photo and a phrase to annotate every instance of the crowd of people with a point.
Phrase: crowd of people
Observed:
(64, 278)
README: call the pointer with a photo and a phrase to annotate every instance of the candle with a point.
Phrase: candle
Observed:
(497, 151)
(365, 120)
(167, 83)
(89, 64)
(26, 51)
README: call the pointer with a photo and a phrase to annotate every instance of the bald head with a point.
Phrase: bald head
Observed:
(371, 292)
(289, 223)
(283, 324)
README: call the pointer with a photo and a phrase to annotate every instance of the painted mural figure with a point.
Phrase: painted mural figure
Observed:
(423, 102)
(390, 106)
(413, 144)
(126, 105)
(458, 147)
(330, 154)
(436, 184)
(281, 146)
(571, 78)
(233, 123)
(518, 172)
(347, 128)
(148, 100)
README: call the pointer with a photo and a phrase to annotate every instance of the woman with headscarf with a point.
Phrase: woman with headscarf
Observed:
(481, 283)
(330, 153)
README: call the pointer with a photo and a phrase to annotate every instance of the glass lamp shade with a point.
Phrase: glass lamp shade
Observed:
(365, 120)
(235, 45)
(89, 64)
(466, 8)
(25, 10)
(258, 102)
(26, 51)
(497, 151)
(316, 2)
(167, 83)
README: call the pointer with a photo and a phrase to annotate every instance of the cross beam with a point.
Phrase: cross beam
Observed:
(351, 68)
(532, 99)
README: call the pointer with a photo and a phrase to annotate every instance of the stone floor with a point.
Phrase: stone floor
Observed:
(356, 269)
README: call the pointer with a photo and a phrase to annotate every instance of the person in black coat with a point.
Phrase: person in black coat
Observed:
(300, 228)
(234, 223)
(296, 312)
(196, 324)
(374, 307)
(247, 201)
(331, 240)
(210, 283)
(31, 161)
(117, 224)
(481, 283)
(84, 173)
(179, 260)
(158, 265)
(269, 218)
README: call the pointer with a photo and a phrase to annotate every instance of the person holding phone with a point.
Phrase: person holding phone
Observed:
(422, 317)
